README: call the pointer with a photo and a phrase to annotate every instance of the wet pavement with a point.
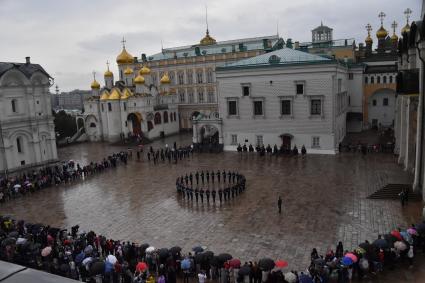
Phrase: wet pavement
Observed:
(324, 201)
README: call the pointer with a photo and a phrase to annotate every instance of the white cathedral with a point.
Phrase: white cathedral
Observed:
(131, 106)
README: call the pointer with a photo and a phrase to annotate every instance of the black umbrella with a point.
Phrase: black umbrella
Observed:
(143, 247)
(266, 263)
(420, 228)
(97, 267)
(224, 257)
(163, 253)
(390, 239)
(214, 261)
(198, 249)
(13, 234)
(365, 246)
(381, 244)
(200, 258)
(175, 250)
(320, 261)
(8, 241)
(208, 254)
(245, 270)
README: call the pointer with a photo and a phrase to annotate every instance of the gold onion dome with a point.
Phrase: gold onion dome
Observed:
(95, 84)
(144, 71)
(208, 40)
(405, 29)
(368, 39)
(381, 33)
(124, 57)
(165, 79)
(105, 95)
(108, 73)
(394, 37)
(128, 71)
(126, 94)
(139, 80)
(115, 94)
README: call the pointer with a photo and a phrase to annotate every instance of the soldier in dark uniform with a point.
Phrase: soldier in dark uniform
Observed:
(228, 193)
(201, 193)
(196, 194)
(207, 193)
(233, 176)
(224, 176)
(191, 194)
(191, 179)
(183, 192)
(213, 195)
(208, 177)
(229, 175)
(212, 176)
(233, 191)
(186, 179)
(197, 177)
(202, 177)
(188, 193)
(220, 194)
(225, 194)
(218, 175)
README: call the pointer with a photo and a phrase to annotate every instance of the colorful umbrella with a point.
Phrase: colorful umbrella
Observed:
(150, 250)
(346, 261)
(112, 259)
(46, 251)
(141, 266)
(235, 263)
(412, 231)
(360, 251)
(352, 256)
(185, 264)
(281, 263)
(397, 234)
(399, 245)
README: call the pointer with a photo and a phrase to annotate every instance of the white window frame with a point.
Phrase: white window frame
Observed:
(263, 115)
(303, 83)
(322, 112)
(235, 99)
(315, 142)
(291, 99)
(243, 85)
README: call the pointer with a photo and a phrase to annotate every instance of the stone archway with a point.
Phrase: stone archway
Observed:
(286, 141)
(134, 123)
(208, 134)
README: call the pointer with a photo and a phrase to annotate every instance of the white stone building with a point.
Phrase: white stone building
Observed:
(27, 131)
(285, 97)
(132, 106)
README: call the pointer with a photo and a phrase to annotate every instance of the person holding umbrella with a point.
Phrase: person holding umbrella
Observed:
(279, 204)
(202, 276)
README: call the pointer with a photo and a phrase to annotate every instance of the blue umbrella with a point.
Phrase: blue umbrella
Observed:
(79, 258)
(305, 279)
(347, 261)
(198, 249)
(185, 264)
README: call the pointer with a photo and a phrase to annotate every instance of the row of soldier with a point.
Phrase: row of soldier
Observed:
(229, 192)
(205, 176)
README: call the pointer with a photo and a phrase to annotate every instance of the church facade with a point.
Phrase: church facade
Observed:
(27, 132)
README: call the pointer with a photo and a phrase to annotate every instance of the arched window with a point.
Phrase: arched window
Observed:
(92, 125)
(19, 144)
(372, 80)
(384, 79)
(378, 80)
(109, 106)
(171, 117)
(174, 116)
(14, 106)
(157, 118)
(366, 80)
(150, 125)
(391, 79)
(165, 117)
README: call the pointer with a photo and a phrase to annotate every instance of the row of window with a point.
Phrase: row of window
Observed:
(246, 89)
(285, 107)
(378, 79)
(200, 96)
(384, 102)
(186, 77)
(158, 117)
(315, 140)
(14, 105)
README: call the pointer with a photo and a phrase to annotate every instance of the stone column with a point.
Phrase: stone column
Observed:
(403, 132)
(397, 132)
(411, 134)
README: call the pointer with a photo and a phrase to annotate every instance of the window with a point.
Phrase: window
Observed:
(315, 142)
(300, 89)
(209, 76)
(258, 108)
(181, 78)
(92, 125)
(171, 117)
(182, 96)
(199, 77)
(349, 100)
(101, 106)
(191, 96)
(384, 79)
(125, 106)
(234, 139)
(189, 75)
(109, 107)
(366, 80)
(14, 108)
(350, 76)
(378, 79)
(210, 96)
(245, 90)
(38, 102)
(174, 116)
(385, 102)
(172, 78)
(19, 144)
(154, 79)
(200, 96)
(165, 117)
(339, 85)
(391, 79)
(374, 102)
(372, 80)
(157, 118)
(316, 107)
(259, 139)
(285, 107)
(232, 108)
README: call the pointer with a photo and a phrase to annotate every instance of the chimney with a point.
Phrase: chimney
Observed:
(27, 60)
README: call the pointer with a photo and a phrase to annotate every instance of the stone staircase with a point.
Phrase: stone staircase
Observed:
(391, 191)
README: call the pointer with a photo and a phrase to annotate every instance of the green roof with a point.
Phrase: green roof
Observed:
(283, 56)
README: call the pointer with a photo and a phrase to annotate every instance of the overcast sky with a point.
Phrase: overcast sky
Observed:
(70, 39)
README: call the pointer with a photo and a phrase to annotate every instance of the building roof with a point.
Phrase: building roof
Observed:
(228, 46)
(279, 57)
(27, 69)
(322, 28)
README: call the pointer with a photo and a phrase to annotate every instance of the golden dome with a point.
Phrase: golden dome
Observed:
(394, 37)
(139, 80)
(165, 79)
(126, 94)
(105, 95)
(144, 71)
(95, 84)
(368, 40)
(115, 94)
(208, 40)
(108, 74)
(406, 29)
(128, 71)
(124, 57)
(381, 33)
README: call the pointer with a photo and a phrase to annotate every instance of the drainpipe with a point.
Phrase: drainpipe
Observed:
(419, 142)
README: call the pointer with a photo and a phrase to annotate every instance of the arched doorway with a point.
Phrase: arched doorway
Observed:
(286, 141)
(134, 123)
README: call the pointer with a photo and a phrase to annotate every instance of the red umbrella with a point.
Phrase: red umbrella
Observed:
(397, 234)
(352, 256)
(235, 263)
(281, 263)
(141, 266)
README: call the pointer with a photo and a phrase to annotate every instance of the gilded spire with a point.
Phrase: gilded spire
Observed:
(407, 14)
(207, 40)
(95, 84)
(381, 33)
(108, 73)
(394, 37)
(368, 38)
